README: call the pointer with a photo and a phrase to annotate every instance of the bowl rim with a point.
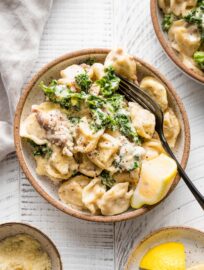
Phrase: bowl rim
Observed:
(157, 231)
(96, 218)
(24, 224)
(166, 46)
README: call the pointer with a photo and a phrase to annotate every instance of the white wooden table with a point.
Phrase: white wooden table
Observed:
(76, 24)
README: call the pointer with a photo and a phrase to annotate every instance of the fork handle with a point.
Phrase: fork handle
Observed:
(198, 196)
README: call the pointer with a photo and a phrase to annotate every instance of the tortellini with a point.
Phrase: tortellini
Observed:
(171, 127)
(156, 90)
(184, 38)
(116, 200)
(124, 64)
(143, 120)
(31, 129)
(98, 71)
(70, 192)
(131, 177)
(153, 149)
(88, 168)
(92, 194)
(58, 167)
(68, 75)
(105, 152)
(86, 139)
(178, 7)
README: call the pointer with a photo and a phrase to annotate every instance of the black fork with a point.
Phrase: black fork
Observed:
(132, 92)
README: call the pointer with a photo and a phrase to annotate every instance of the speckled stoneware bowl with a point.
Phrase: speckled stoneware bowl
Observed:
(192, 239)
(13, 228)
(33, 95)
(157, 17)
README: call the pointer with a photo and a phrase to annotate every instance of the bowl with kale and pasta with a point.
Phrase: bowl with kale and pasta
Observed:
(86, 149)
(179, 26)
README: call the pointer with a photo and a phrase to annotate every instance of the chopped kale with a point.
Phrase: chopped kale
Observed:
(200, 3)
(62, 95)
(116, 101)
(90, 61)
(121, 163)
(196, 16)
(167, 21)
(136, 165)
(83, 81)
(109, 83)
(199, 58)
(102, 120)
(95, 102)
(126, 128)
(107, 179)
(40, 150)
(74, 119)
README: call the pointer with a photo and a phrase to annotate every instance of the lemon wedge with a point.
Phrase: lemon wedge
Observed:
(197, 267)
(156, 178)
(167, 256)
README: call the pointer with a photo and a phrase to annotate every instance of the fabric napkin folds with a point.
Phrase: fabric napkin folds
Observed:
(21, 27)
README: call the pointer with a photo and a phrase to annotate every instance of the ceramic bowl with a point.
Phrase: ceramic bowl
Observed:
(13, 228)
(157, 17)
(33, 95)
(192, 239)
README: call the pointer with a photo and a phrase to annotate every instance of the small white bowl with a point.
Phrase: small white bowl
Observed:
(192, 239)
(14, 228)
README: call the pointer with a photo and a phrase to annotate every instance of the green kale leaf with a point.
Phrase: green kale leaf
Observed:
(199, 58)
(108, 83)
(62, 95)
(116, 101)
(196, 16)
(95, 102)
(167, 21)
(83, 81)
(90, 61)
(107, 179)
(102, 120)
(74, 119)
(40, 150)
(126, 127)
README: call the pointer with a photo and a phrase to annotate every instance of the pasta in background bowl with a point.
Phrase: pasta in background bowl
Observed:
(179, 28)
(81, 177)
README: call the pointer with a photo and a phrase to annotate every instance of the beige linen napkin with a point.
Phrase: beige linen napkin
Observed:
(21, 27)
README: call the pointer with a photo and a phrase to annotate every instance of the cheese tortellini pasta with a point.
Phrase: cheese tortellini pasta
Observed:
(92, 194)
(123, 63)
(116, 200)
(103, 155)
(156, 90)
(58, 167)
(171, 127)
(143, 120)
(184, 23)
(184, 38)
(91, 142)
(70, 192)
(178, 7)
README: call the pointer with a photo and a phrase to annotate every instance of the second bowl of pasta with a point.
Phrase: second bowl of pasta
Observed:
(89, 151)
(179, 29)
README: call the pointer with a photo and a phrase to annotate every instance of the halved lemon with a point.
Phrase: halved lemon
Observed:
(155, 180)
(167, 256)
